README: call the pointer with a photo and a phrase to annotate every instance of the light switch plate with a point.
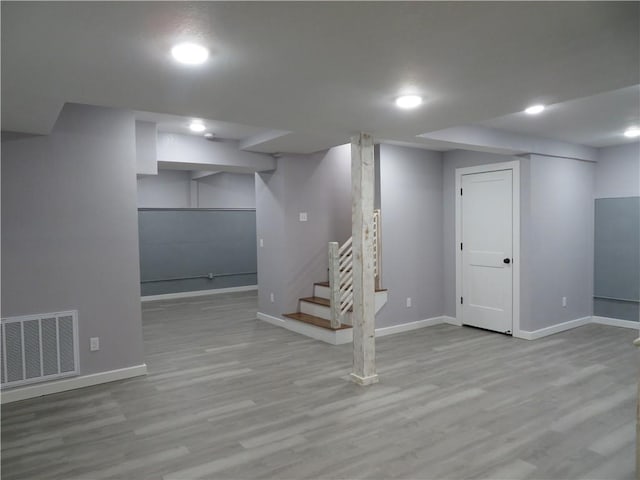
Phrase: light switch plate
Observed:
(303, 216)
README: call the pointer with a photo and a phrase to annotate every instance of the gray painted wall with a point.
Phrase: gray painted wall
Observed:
(561, 248)
(173, 189)
(617, 178)
(168, 189)
(146, 148)
(70, 234)
(194, 243)
(618, 171)
(411, 200)
(556, 235)
(226, 190)
(294, 255)
(192, 152)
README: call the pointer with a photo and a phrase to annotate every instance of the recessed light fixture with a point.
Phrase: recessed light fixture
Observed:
(190, 53)
(632, 132)
(197, 127)
(534, 109)
(208, 135)
(408, 101)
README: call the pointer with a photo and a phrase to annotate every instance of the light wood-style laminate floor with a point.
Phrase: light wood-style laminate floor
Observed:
(231, 397)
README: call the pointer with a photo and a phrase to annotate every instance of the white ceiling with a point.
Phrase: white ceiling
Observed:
(319, 72)
(596, 121)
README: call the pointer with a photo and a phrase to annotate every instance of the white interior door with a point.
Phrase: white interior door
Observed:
(487, 250)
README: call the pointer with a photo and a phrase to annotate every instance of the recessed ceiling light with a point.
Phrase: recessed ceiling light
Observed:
(197, 127)
(208, 135)
(632, 132)
(534, 109)
(408, 101)
(190, 53)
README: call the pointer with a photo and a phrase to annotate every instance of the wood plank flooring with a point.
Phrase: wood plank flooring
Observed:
(231, 397)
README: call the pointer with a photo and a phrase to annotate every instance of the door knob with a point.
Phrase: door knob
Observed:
(507, 260)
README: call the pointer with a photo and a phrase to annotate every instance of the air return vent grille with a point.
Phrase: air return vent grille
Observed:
(37, 348)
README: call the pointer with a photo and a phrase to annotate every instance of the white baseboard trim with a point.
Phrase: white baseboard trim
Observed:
(616, 322)
(560, 327)
(32, 391)
(340, 337)
(406, 327)
(451, 320)
(197, 293)
(337, 337)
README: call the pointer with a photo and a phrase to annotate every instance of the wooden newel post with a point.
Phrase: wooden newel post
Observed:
(334, 284)
(363, 319)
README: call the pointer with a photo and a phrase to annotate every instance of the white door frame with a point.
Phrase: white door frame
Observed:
(514, 166)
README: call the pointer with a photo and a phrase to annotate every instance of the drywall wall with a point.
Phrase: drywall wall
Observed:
(556, 232)
(70, 233)
(412, 242)
(226, 190)
(617, 188)
(561, 244)
(192, 152)
(294, 253)
(618, 171)
(180, 248)
(617, 258)
(168, 189)
(175, 189)
(146, 148)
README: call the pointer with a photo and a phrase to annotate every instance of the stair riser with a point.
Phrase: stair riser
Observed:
(315, 309)
(321, 291)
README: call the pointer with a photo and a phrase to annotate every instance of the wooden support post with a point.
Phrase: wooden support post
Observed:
(334, 284)
(363, 319)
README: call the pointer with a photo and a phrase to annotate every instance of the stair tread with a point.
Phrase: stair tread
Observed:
(317, 300)
(326, 284)
(313, 320)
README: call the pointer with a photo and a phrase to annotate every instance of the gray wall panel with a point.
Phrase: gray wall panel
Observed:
(617, 257)
(188, 243)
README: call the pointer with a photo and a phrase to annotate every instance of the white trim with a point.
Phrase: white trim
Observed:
(560, 327)
(340, 337)
(16, 394)
(197, 293)
(514, 166)
(333, 337)
(450, 320)
(406, 327)
(615, 322)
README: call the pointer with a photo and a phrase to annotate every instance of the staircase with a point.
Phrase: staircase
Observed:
(331, 305)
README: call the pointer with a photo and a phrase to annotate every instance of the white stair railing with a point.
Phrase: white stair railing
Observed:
(341, 272)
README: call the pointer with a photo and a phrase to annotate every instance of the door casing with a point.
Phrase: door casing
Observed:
(514, 166)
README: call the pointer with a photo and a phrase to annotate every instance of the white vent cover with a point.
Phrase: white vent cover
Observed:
(37, 348)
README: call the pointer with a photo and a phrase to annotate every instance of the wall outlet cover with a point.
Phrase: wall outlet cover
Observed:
(94, 344)
(303, 216)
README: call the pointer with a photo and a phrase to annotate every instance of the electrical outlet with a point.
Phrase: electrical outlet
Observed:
(303, 216)
(564, 302)
(261, 242)
(408, 302)
(94, 344)
(272, 297)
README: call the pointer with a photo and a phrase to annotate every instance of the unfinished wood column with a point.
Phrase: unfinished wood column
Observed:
(363, 319)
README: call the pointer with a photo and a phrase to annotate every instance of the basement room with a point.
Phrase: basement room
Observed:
(337, 240)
